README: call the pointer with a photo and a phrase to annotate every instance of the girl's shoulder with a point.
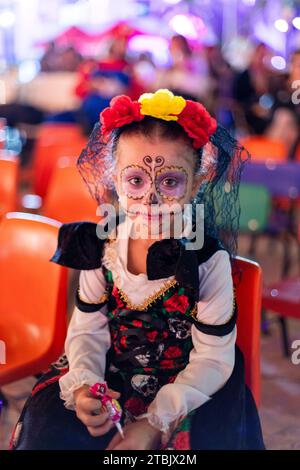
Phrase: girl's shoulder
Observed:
(79, 245)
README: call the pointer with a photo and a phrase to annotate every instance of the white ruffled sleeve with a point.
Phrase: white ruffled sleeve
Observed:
(88, 339)
(211, 360)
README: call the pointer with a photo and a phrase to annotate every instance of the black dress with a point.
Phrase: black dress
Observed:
(229, 420)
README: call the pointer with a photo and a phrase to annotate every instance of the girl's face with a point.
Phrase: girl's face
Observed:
(154, 175)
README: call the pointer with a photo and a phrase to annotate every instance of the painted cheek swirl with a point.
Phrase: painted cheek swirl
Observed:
(135, 181)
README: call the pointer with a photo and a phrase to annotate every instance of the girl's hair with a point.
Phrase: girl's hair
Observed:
(219, 162)
(151, 127)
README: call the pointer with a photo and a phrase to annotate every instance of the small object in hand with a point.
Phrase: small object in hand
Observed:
(99, 390)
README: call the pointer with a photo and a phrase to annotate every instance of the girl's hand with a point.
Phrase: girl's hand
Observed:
(90, 411)
(139, 435)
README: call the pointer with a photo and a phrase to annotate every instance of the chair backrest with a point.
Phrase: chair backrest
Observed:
(33, 301)
(8, 184)
(61, 142)
(68, 199)
(255, 201)
(53, 133)
(247, 277)
(264, 148)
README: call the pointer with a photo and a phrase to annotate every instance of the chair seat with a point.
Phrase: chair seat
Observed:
(33, 301)
(27, 349)
(283, 297)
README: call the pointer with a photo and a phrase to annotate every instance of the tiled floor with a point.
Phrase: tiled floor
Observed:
(279, 411)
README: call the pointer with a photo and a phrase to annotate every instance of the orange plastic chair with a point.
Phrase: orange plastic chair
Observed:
(264, 149)
(9, 167)
(33, 301)
(283, 298)
(55, 141)
(68, 198)
(53, 133)
(247, 278)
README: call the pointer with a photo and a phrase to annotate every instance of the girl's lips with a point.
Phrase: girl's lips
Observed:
(149, 216)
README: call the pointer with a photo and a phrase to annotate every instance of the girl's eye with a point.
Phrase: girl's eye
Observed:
(169, 182)
(135, 181)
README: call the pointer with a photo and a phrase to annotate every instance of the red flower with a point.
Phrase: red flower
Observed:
(171, 379)
(172, 351)
(197, 122)
(152, 335)
(177, 303)
(135, 405)
(167, 363)
(182, 441)
(123, 341)
(137, 323)
(122, 110)
(117, 297)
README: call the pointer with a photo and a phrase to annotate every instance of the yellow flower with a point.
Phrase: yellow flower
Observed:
(162, 105)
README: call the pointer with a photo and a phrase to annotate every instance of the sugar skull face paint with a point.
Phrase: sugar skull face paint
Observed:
(171, 182)
(152, 176)
(136, 181)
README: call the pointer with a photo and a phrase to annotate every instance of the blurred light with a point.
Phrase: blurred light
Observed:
(253, 225)
(187, 25)
(281, 25)
(64, 162)
(270, 164)
(2, 92)
(28, 69)
(278, 62)
(266, 101)
(249, 3)
(172, 2)
(293, 192)
(274, 293)
(13, 140)
(7, 19)
(31, 201)
(157, 46)
(296, 22)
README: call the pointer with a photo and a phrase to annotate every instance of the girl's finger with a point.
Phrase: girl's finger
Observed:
(100, 430)
(93, 421)
(113, 393)
(88, 404)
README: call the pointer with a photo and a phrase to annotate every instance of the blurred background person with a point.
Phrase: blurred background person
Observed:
(188, 73)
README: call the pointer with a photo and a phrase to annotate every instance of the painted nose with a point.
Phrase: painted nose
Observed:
(153, 198)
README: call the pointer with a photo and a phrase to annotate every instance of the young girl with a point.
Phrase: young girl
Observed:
(154, 318)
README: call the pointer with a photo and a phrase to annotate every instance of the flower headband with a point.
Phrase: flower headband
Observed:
(191, 115)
